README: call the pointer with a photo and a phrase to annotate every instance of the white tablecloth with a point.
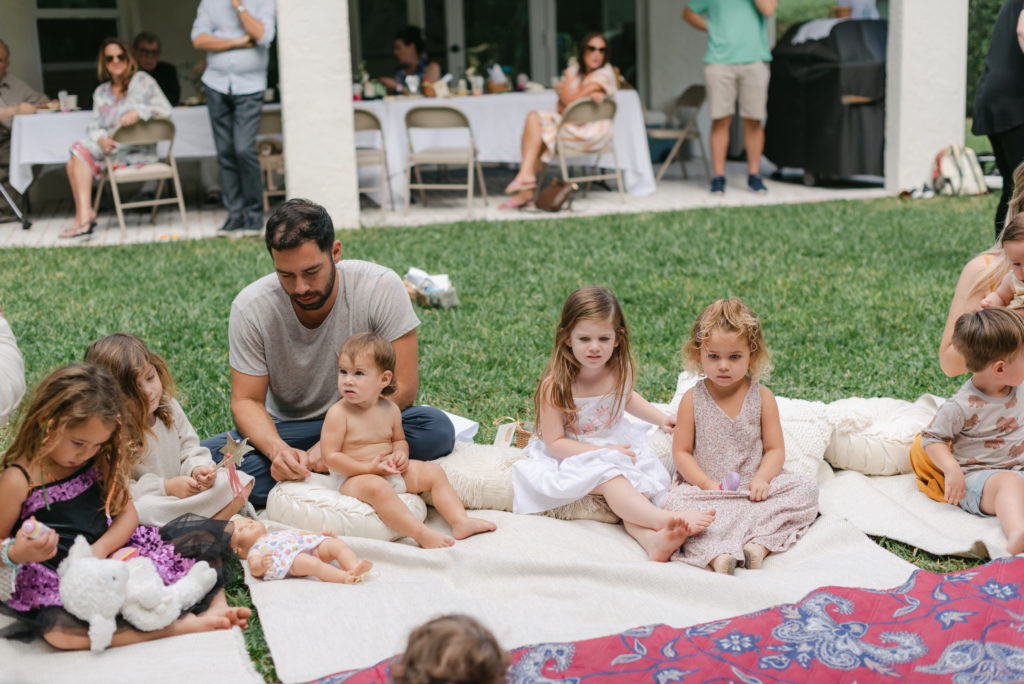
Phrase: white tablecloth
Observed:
(46, 138)
(497, 122)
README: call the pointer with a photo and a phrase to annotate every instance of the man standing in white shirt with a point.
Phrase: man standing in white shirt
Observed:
(236, 38)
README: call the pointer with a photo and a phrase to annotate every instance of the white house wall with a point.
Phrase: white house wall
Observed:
(925, 87)
(316, 100)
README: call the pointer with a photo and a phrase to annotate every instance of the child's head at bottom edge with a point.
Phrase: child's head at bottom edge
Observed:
(988, 336)
(451, 649)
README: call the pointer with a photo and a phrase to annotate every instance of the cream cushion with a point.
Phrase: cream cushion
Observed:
(874, 436)
(480, 475)
(316, 505)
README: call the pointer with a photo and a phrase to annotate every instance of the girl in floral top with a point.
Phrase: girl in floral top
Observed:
(585, 445)
(125, 96)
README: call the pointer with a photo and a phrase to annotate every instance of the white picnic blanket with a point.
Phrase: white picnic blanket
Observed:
(210, 657)
(539, 579)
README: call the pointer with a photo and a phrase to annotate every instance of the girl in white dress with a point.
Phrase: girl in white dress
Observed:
(584, 444)
(172, 473)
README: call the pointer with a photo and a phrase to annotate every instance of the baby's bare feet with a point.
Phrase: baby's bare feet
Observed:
(467, 527)
(668, 539)
(1015, 544)
(361, 569)
(429, 539)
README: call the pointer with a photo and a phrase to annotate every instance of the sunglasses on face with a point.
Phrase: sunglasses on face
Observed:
(119, 57)
(597, 48)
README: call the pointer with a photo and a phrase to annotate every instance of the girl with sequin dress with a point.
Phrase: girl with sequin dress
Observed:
(585, 445)
(727, 423)
(66, 469)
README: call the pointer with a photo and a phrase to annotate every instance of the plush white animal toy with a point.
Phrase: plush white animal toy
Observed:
(96, 590)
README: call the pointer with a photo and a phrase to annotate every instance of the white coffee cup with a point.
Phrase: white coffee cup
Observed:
(71, 100)
(412, 83)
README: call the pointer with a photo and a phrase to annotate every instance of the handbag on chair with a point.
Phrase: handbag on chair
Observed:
(556, 196)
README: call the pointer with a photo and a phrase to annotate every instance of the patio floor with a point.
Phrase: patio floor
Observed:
(674, 193)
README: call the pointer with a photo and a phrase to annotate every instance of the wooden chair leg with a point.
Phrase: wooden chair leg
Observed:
(408, 189)
(469, 184)
(419, 182)
(618, 174)
(386, 198)
(158, 195)
(483, 186)
(117, 206)
(181, 201)
(99, 192)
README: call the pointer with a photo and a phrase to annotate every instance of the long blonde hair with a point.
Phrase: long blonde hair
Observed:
(730, 315)
(990, 277)
(555, 387)
(125, 356)
(66, 398)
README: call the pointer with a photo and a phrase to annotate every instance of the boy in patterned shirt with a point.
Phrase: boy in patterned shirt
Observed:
(977, 436)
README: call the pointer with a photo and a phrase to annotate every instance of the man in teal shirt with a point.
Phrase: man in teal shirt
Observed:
(735, 65)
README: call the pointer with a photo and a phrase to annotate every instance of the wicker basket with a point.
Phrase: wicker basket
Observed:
(523, 429)
(496, 87)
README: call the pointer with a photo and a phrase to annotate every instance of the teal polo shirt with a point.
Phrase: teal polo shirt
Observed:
(736, 33)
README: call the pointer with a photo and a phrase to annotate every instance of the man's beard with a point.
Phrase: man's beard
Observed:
(321, 297)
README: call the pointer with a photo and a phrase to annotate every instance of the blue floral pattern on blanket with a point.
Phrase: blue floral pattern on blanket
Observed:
(965, 627)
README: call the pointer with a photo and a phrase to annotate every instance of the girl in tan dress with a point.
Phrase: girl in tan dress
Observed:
(730, 423)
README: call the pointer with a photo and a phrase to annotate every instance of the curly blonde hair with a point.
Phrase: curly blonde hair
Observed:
(451, 649)
(730, 315)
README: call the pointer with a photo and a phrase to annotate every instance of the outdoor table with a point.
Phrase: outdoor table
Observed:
(46, 138)
(497, 121)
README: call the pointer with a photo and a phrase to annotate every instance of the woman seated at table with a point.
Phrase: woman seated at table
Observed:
(125, 95)
(410, 51)
(597, 81)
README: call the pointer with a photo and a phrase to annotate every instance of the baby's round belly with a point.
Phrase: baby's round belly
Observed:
(369, 451)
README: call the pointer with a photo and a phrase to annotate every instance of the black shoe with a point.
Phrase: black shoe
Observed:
(233, 227)
(212, 198)
(253, 224)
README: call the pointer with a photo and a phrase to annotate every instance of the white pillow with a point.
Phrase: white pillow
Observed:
(806, 430)
(316, 505)
(873, 436)
(481, 476)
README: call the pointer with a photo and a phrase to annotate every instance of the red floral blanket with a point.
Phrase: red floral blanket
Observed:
(962, 627)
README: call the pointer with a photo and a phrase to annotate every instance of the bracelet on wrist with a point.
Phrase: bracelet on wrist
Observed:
(5, 547)
(240, 9)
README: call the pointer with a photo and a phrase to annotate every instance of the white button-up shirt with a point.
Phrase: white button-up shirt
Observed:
(242, 71)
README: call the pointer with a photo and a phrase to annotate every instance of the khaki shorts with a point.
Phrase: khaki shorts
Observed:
(748, 81)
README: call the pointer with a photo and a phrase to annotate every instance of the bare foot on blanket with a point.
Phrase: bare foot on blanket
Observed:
(667, 540)
(429, 539)
(753, 555)
(698, 521)
(361, 569)
(237, 616)
(467, 527)
(1015, 544)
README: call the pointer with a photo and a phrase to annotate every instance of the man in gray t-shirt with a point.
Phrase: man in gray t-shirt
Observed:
(284, 332)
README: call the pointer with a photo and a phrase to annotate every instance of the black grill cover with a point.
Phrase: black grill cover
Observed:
(826, 100)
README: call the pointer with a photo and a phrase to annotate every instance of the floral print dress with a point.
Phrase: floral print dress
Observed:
(143, 96)
(582, 137)
(542, 482)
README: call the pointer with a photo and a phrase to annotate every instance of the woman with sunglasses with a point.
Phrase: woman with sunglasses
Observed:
(125, 95)
(592, 77)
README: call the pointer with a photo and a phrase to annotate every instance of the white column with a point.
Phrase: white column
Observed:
(316, 102)
(925, 90)
(543, 51)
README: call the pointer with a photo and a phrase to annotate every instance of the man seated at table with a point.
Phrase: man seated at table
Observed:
(16, 97)
(284, 334)
(146, 48)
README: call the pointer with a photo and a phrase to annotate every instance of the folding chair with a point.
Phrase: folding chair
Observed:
(683, 122)
(143, 133)
(581, 111)
(437, 116)
(271, 154)
(365, 120)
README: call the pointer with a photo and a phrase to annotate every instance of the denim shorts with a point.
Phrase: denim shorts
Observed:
(975, 484)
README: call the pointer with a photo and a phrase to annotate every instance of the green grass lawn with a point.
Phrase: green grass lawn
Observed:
(853, 297)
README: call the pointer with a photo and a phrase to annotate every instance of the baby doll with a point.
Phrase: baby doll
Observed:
(292, 553)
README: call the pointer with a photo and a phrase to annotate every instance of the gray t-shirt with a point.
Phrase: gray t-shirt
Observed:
(267, 339)
(987, 432)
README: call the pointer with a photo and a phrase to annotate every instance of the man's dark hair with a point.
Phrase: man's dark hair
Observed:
(298, 221)
(413, 35)
(146, 37)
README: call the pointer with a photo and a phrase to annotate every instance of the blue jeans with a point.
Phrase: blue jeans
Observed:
(235, 119)
(429, 432)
